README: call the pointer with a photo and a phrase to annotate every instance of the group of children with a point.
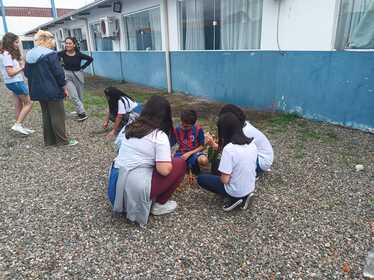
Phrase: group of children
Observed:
(244, 150)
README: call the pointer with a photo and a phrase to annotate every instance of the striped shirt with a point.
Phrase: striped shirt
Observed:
(189, 139)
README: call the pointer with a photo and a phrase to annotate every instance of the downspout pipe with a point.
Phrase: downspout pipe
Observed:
(89, 45)
(3, 15)
(165, 18)
(54, 10)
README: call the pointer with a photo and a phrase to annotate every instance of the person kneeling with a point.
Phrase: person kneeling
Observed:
(237, 165)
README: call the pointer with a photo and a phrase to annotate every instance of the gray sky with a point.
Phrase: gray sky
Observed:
(71, 4)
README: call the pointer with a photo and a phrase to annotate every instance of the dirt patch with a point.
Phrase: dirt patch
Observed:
(207, 110)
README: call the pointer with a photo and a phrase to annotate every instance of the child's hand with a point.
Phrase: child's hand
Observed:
(111, 135)
(185, 156)
(105, 124)
(209, 139)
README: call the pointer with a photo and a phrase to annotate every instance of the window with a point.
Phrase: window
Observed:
(143, 30)
(101, 43)
(27, 45)
(220, 24)
(355, 28)
(81, 38)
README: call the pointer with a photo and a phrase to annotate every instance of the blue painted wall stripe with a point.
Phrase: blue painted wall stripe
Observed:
(145, 68)
(337, 87)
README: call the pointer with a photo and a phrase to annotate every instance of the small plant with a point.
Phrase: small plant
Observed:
(284, 119)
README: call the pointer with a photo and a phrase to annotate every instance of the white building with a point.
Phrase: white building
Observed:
(269, 54)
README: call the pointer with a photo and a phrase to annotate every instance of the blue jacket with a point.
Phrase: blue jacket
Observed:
(45, 75)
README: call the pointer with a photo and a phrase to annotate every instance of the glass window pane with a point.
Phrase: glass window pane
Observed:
(355, 25)
(194, 24)
(101, 43)
(220, 24)
(78, 34)
(27, 45)
(241, 23)
(143, 30)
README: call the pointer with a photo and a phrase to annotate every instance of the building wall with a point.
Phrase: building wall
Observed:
(314, 81)
(303, 24)
(337, 87)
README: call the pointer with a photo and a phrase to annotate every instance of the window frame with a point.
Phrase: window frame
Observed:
(124, 26)
(93, 44)
(179, 35)
(338, 8)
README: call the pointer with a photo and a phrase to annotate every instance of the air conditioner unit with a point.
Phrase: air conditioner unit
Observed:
(109, 27)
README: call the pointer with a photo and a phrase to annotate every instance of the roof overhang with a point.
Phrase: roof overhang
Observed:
(81, 12)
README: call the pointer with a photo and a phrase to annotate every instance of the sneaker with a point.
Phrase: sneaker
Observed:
(73, 114)
(232, 204)
(19, 128)
(72, 142)
(29, 130)
(82, 117)
(162, 209)
(247, 200)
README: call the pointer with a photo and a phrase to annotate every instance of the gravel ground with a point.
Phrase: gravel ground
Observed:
(310, 218)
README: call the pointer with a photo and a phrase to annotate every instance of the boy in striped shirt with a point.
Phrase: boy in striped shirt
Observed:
(190, 138)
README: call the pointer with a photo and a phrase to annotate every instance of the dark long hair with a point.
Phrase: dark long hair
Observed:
(114, 94)
(231, 108)
(230, 130)
(75, 42)
(156, 114)
(8, 45)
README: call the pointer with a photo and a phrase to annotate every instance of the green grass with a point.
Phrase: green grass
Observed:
(283, 120)
(309, 134)
(371, 201)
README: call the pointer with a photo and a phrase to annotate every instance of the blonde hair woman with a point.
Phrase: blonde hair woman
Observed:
(47, 85)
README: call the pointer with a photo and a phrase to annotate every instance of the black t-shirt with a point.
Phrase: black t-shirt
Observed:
(73, 63)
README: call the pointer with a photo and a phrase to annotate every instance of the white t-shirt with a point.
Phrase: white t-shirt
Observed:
(8, 61)
(2, 68)
(239, 161)
(128, 106)
(265, 150)
(146, 151)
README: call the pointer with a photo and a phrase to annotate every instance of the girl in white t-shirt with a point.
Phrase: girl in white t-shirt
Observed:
(11, 69)
(122, 110)
(237, 165)
(144, 175)
(265, 150)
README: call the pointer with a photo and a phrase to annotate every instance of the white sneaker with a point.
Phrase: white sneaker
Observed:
(19, 128)
(162, 209)
(247, 200)
(29, 130)
(72, 142)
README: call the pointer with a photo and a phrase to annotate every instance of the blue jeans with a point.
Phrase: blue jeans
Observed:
(212, 183)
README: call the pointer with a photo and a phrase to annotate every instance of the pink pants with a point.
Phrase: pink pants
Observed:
(162, 187)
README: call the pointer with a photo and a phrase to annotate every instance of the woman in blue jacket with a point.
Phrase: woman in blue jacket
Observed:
(47, 85)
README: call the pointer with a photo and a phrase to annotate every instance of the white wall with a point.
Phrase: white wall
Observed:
(303, 24)
(173, 25)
